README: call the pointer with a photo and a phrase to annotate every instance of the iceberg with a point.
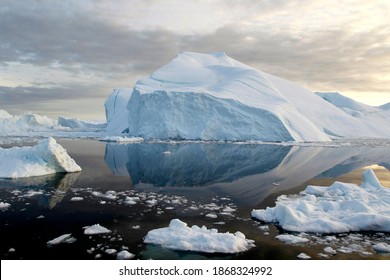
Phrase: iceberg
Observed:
(45, 158)
(116, 110)
(341, 207)
(214, 97)
(178, 236)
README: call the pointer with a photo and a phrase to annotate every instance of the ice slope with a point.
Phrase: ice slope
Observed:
(366, 121)
(46, 157)
(214, 97)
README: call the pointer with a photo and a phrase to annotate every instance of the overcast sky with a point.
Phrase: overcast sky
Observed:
(65, 57)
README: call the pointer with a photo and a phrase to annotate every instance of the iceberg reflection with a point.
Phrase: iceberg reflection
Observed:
(54, 186)
(247, 173)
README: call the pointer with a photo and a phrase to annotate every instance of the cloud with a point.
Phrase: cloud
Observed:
(321, 45)
(45, 37)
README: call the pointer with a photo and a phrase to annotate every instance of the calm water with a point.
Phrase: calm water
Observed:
(185, 181)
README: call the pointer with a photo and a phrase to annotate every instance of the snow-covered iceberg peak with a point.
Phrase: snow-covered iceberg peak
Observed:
(214, 97)
(341, 207)
(46, 157)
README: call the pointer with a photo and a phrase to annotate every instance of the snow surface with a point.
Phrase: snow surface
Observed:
(214, 97)
(178, 236)
(341, 207)
(46, 157)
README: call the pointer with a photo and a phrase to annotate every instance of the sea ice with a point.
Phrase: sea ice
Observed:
(95, 229)
(46, 157)
(303, 256)
(292, 239)
(382, 247)
(65, 238)
(341, 207)
(178, 236)
(4, 205)
(124, 255)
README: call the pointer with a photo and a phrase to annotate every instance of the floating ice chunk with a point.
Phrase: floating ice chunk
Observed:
(96, 229)
(290, 238)
(382, 247)
(303, 256)
(122, 139)
(65, 238)
(110, 251)
(179, 236)
(131, 200)
(46, 157)
(341, 207)
(124, 255)
(211, 215)
(330, 250)
(108, 195)
(4, 205)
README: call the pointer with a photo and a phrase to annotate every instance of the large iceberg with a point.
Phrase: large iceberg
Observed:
(46, 157)
(214, 97)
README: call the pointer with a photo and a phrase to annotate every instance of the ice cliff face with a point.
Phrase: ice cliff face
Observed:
(214, 97)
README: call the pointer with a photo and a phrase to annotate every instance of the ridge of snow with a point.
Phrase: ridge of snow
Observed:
(341, 207)
(346, 104)
(46, 157)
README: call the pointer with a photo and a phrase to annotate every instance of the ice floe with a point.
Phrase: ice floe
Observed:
(341, 207)
(303, 256)
(46, 157)
(65, 238)
(382, 248)
(96, 229)
(124, 255)
(292, 239)
(4, 205)
(178, 236)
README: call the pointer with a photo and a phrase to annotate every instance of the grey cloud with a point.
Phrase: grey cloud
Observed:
(41, 38)
(338, 57)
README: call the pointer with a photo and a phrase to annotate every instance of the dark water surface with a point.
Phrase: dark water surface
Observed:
(178, 180)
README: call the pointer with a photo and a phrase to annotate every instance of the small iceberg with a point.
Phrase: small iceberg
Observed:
(47, 157)
(341, 207)
(178, 236)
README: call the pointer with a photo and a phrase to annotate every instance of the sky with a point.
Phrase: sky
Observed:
(63, 58)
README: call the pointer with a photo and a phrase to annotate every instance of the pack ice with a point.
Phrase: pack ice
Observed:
(341, 207)
(46, 157)
(214, 97)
